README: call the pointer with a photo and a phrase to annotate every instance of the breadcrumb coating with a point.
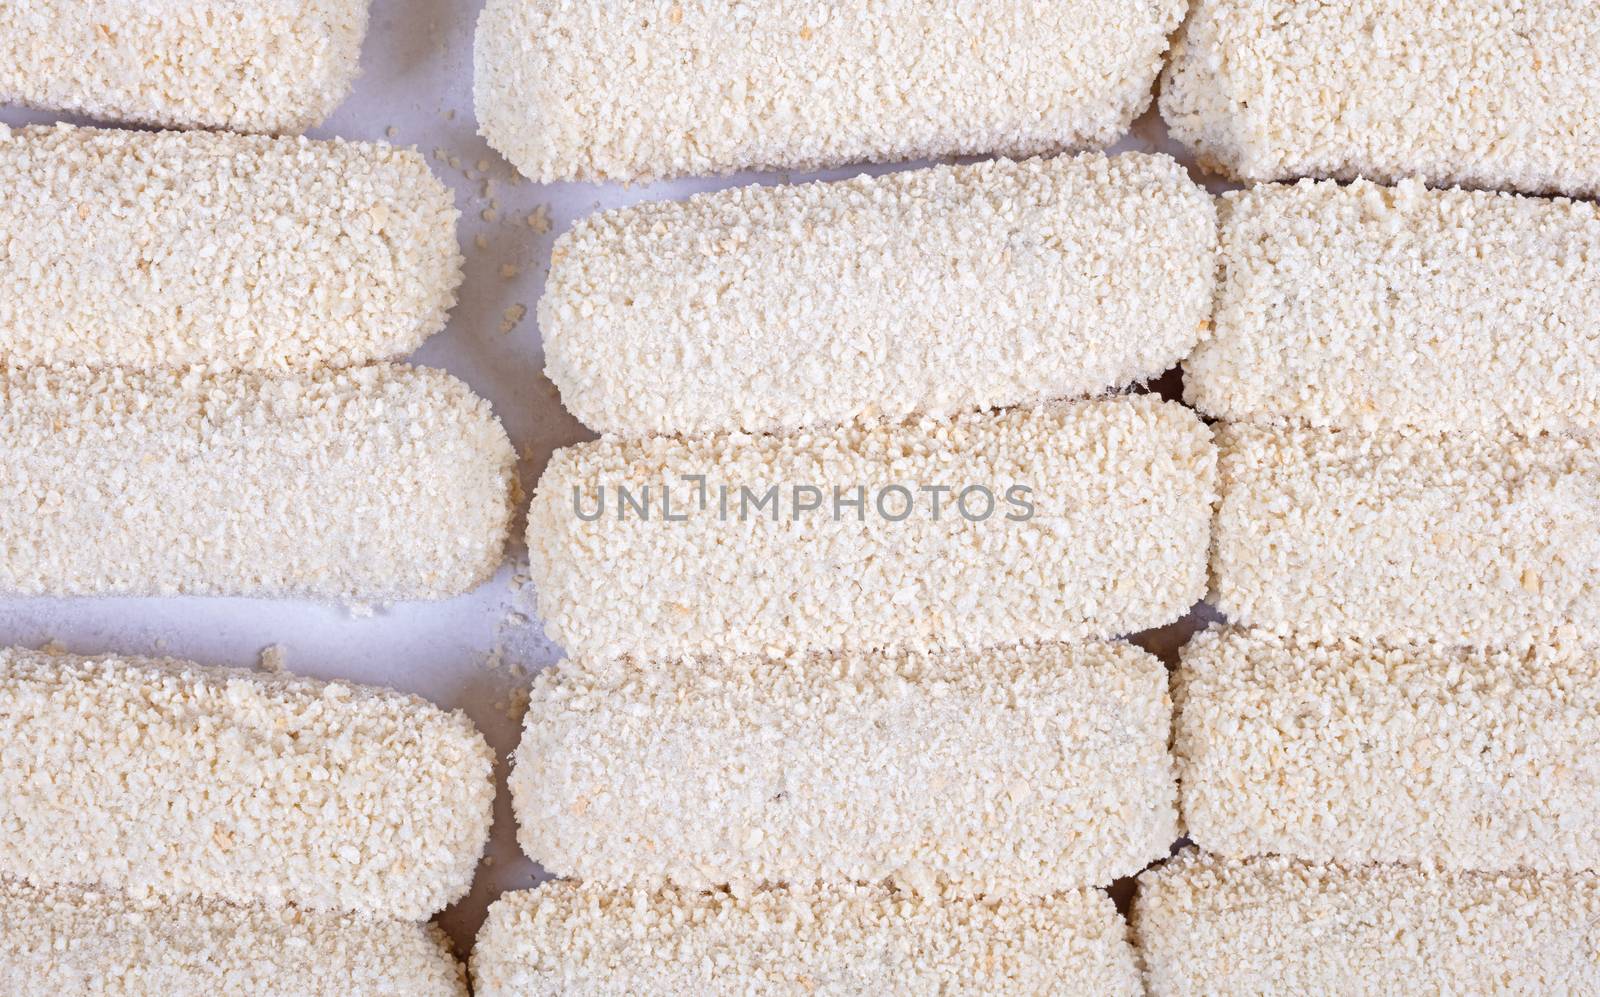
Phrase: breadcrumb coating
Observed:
(663, 88)
(69, 942)
(175, 249)
(1499, 94)
(1470, 538)
(583, 940)
(1008, 772)
(773, 308)
(1358, 752)
(369, 485)
(246, 65)
(164, 777)
(1367, 307)
(1210, 925)
(1109, 537)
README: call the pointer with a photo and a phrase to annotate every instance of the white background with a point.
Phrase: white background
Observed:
(477, 651)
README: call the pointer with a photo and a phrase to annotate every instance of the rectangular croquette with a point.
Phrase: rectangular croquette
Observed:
(244, 65)
(582, 940)
(1466, 538)
(86, 942)
(1353, 751)
(1098, 526)
(1206, 925)
(168, 778)
(1496, 94)
(620, 91)
(1007, 772)
(194, 249)
(773, 308)
(370, 485)
(1367, 307)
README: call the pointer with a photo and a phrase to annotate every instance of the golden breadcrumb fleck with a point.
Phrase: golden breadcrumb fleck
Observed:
(1012, 771)
(587, 941)
(770, 308)
(605, 91)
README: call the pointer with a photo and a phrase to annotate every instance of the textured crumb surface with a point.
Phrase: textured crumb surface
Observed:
(1355, 752)
(1109, 537)
(1015, 771)
(173, 249)
(1499, 94)
(162, 777)
(70, 942)
(1366, 307)
(616, 91)
(1467, 538)
(572, 939)
(375, 484)
(1208, 925)
(245, 65)
(935, 290)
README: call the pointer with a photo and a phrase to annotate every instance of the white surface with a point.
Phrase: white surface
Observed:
(474, 652)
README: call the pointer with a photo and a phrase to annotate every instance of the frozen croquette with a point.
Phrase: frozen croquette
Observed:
(1007, 772)
(1207, 925)
(165, 777)
(180, 249)
(1356, 752)
(936, 290)
(244, 65)
(1368, 307)
(1465, 538)
(370, 485)
(1497, 94)
(85, 942)
(877, 535)
(582, 940)
(621, 91)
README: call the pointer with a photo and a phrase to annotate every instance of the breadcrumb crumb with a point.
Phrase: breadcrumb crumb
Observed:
(1499, 94)
(771, 308)
(1207, 925)
(177, 249)
(1466, 538)
(1007, 772)
(371, 484)
(586, 941)
(1358, 752)
(253, 66)
(166, 778)
(1368, 307)
(73, 942)
(1076, 557)
(623, 92)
